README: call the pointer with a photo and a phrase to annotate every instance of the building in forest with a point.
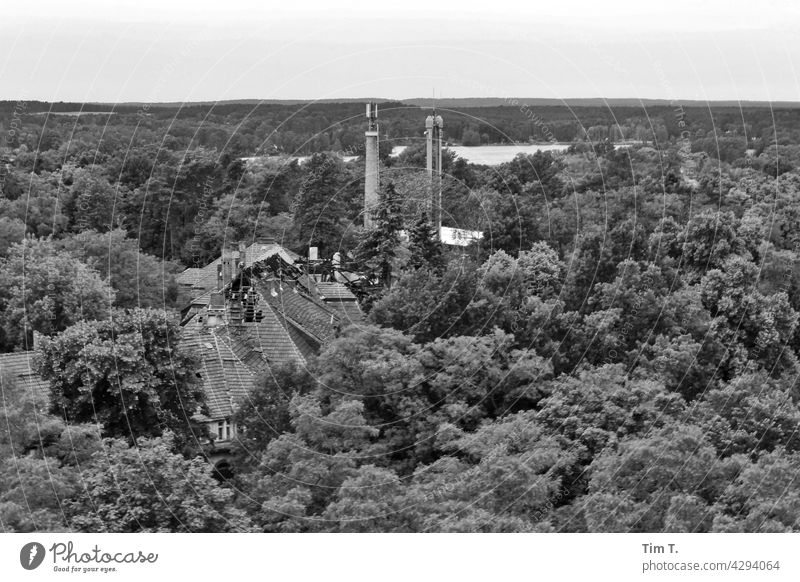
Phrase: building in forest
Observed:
(256, 307)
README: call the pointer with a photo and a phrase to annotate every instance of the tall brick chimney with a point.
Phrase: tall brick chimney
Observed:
(371, 164)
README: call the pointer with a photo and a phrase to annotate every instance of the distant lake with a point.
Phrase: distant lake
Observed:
(288, 159)
(488, 155)
(493, 155)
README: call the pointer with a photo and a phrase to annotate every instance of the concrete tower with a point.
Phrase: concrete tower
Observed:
(371, 166)
(433, 133)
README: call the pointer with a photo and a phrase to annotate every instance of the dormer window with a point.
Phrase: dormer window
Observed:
(225, 430)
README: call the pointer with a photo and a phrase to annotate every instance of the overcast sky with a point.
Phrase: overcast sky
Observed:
(161, 50)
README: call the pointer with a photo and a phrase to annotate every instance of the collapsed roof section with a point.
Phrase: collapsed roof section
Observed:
(270, 312)
(204, 279)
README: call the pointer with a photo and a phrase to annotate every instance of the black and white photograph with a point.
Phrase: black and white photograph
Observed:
(436, 269)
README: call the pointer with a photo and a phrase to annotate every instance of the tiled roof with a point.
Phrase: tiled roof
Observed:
(18, 365)
(225, 377)
(189, 277)
(341, 300)
(207, 278)
(307, 344)
(348, 311)
(234, 353)
(309, 314)
(294, 323)
(335, 291)
(201, 300)
(266, 341)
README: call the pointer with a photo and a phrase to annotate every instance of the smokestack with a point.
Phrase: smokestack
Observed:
(371, 164)
(433, 132)
(429, 143)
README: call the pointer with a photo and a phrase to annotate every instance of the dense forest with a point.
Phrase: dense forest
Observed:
(618, 353)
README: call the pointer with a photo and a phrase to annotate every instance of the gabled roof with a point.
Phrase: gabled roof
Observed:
(225, 377)
(18, 366)
(234, 353)
(288, 322)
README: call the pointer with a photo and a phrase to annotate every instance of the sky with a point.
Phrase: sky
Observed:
(163, 50)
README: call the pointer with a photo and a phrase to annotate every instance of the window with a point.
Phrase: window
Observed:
(225, 430)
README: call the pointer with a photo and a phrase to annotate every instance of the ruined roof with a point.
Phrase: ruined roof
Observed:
(205, 279)
(18, 366)
(239, 351)
(226, 379)
(274, 313)
(260, 251)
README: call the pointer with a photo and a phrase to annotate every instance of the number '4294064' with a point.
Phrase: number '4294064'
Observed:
(755, 565)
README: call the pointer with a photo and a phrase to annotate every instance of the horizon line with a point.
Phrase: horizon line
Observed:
(505, 100)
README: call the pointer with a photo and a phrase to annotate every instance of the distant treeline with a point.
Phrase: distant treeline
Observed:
(250, 128)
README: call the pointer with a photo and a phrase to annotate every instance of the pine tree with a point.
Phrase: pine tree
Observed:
(318, 208)
(425, 249)
(377, 249)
